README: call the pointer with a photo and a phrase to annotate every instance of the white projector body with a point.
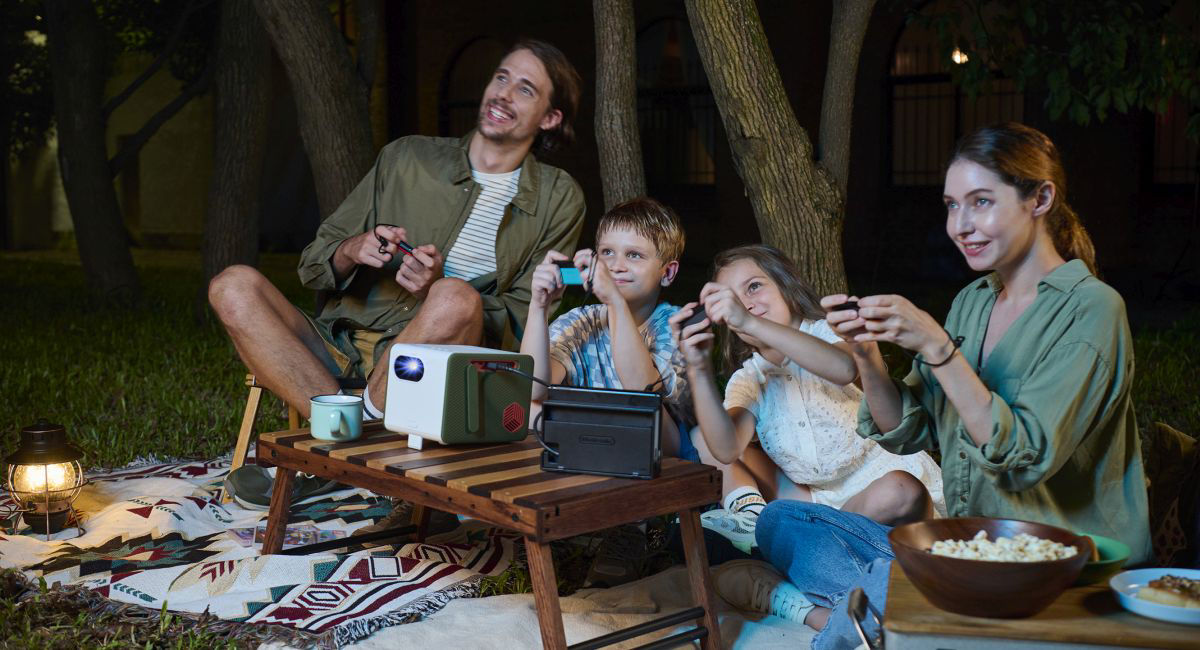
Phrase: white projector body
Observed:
(444, 394)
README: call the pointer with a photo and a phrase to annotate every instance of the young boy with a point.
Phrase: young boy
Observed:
(625, 341)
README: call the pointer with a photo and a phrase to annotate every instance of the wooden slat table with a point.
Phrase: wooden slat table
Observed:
(503, 484)
(1082, 617)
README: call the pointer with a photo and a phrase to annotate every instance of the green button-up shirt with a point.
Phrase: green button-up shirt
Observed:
(1064, 448)
(424, 185)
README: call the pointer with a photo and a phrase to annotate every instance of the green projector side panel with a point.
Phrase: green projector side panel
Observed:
(495, 392)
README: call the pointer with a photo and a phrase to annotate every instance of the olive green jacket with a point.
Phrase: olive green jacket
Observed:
(424, 185)
(1064, 448)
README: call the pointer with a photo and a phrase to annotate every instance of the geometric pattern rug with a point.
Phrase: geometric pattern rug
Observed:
(158, 535)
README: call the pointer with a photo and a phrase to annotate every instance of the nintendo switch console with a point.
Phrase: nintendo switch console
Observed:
(602, 431)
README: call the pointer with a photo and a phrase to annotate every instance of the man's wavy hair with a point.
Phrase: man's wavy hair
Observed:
(566, 86)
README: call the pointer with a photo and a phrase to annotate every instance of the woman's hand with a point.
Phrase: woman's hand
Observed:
(695, 341)
(845, 322)
(896, 320)
(546, 285)
(724, 307)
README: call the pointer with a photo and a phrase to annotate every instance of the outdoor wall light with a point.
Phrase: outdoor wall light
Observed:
(44, 477)
(958, 56)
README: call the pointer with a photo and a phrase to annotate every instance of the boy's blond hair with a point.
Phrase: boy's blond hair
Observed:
(651, 220)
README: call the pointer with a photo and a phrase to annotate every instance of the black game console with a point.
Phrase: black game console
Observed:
(602, 431)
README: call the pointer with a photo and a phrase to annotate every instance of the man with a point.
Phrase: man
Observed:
(480, 213)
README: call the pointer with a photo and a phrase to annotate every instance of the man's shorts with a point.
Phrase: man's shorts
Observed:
(355, 357)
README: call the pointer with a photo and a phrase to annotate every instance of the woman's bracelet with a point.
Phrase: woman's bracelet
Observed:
(955, 342)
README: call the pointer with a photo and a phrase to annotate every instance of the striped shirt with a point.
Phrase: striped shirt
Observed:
(474, 252)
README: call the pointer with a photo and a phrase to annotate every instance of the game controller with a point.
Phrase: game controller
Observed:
(849, 305)
(568, 273)
(698, 314)
(383, 243)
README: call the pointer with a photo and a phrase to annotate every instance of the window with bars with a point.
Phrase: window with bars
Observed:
(929, 113)
(677, 115)
(1175, 155)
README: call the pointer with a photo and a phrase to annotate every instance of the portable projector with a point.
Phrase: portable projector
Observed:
(457, 394)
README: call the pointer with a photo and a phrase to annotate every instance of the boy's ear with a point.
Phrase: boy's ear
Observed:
(669, 273)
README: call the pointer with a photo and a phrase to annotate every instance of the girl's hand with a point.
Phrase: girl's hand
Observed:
(896, 320)
(695, 341)
(546, 286)
(724, 307)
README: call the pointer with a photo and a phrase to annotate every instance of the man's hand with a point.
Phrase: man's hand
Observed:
(364, 248)
(546, 286)
(598, 280)
(420, 270)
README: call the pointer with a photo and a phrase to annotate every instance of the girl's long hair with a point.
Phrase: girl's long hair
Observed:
(801, 300)
(1024, 158)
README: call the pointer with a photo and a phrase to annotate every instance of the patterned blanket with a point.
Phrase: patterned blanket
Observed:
(158, 534)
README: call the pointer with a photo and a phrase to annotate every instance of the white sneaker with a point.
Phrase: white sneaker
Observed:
(737, 527)
(755, 586)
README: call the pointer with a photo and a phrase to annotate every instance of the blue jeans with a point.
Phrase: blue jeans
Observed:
(826, 553)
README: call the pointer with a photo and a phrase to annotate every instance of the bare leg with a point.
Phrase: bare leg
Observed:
(733, 475)
(272, 337)
(893, 499)
(818, 617)
(451, 314)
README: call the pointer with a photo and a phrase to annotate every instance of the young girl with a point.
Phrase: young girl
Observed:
(1026, 390)
(794, 390)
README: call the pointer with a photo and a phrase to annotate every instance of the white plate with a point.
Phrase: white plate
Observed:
(1127, 583)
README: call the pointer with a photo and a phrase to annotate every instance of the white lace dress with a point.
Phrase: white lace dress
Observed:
(807, 427)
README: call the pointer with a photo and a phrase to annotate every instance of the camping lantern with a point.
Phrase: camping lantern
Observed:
(44, 476)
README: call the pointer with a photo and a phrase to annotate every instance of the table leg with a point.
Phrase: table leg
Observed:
(281, 502)
(545, 595)
(697, 564)
(420, 519)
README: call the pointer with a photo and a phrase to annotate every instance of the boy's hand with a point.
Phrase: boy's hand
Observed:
(547, 285)
(695, 341)
(420, 270)
(724, 307)
(597, 280)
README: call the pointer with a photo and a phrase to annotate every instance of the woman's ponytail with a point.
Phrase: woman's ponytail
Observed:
(1071, 239)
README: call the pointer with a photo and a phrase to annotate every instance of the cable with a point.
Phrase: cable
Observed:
(535, 426)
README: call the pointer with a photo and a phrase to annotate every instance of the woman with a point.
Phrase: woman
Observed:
(1026, 391)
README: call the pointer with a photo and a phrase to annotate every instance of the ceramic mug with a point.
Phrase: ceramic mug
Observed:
(337, 418)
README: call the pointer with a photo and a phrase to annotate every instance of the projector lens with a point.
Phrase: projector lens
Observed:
(409, 368)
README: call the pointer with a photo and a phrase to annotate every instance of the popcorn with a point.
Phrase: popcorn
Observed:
(1022, 548)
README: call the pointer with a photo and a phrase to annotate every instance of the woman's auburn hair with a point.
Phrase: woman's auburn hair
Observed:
(1025, 158)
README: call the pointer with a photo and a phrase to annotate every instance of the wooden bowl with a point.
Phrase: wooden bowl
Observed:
(980, 587)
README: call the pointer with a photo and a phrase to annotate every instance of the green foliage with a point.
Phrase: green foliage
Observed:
(1090, 57)
(26, 103)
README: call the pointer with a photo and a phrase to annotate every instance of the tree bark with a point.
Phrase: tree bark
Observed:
(243, 66)
(78, 68)
(617, 137)
(849, 27)
(795, 201)
(331, 100)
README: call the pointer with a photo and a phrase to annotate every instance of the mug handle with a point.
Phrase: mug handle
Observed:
(335, 425)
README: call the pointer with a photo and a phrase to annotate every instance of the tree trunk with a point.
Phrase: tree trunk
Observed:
(78, 68)
(331, 100)
(617, 135)
(795, 202)
(849, 27)
(243, 66)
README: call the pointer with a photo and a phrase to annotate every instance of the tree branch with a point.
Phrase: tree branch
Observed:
(134, 144)
(172, 45)
(849, 27)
